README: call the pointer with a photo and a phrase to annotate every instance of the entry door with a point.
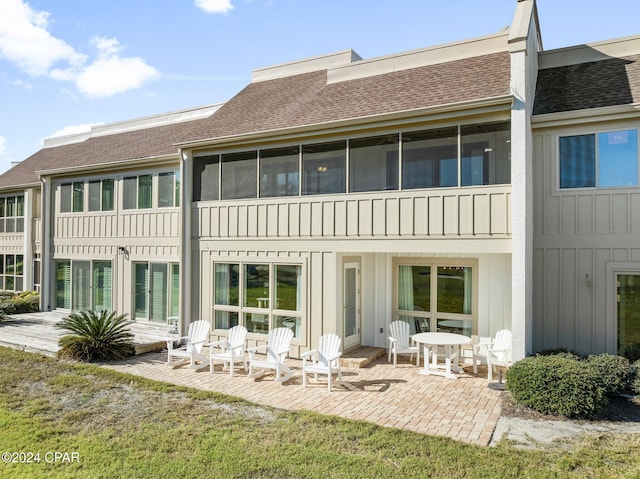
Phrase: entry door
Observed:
(150, 291)
(628, 309)
(351, 319)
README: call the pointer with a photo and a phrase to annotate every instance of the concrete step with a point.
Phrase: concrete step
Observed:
(360, 357)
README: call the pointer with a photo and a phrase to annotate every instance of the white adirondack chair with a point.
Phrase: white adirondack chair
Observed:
(400, 342)
(197, 335)
(494, 351)
(324, 360)
(230, 351)
(276, 350)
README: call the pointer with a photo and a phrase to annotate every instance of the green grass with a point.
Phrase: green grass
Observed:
(125, 426)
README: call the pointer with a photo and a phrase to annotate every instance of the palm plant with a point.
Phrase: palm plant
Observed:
(95, 336)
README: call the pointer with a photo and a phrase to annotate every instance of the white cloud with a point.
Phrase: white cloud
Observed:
(23, 84)
(111, 74)
(214, 6)
(25, 41)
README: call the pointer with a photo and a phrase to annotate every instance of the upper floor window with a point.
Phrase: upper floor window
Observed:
(279, 172)
(605, 159)
(101, 195)
(324, 168)
(373, 163)
(206, 178)
(72, 197)
(169, 189)
(12, 214)
(239, 175)
(137, 192)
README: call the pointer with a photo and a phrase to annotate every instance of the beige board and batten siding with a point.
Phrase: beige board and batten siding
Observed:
(578, 235)
(452, 212)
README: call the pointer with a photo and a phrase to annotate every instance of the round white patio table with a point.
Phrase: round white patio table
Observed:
(448, 341)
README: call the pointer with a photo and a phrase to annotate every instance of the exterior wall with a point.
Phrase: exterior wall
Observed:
(581, 237)
(121, 236)
(451, 213)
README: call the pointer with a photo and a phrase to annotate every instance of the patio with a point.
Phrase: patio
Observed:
(464, 409)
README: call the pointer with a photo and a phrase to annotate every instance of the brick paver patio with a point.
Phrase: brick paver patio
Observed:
(464, 409)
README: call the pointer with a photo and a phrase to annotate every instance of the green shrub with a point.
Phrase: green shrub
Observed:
(95, 336)
(634, 385)
(614, 371)
(24, 302)
(557, 385)
(631, 352)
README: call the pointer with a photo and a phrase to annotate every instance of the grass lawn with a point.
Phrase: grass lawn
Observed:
(113, 425)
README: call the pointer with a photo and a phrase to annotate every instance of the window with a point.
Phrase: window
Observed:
(435, 297)
(324, 168)
(628, 310)
(430, 158)
(239, 175)
(83, 285)
(605, 159)
(11, 272)
(72, 197)
(486, 153)
(137, 192)
(279, 172)
(373, 163)
(206, 178)
(101, 195)
(12, 214)
(260, 296)
(169, 189)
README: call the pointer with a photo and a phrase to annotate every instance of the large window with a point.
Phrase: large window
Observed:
(100, 196)
(324, 168)
(239, 175)
(464, 155)
(435, 297)
(72, 197)
(279, 172)
(83, 285)
(373, 163)
(261, 296)
(206, 178)
(12, 214)
(430, 158)
(606, 159)
(169, 189)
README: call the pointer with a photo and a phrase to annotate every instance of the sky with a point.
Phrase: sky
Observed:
(69, 64)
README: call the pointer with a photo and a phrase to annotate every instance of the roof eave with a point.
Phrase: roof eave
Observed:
(563, 118)
(484, 105)
(112, 165)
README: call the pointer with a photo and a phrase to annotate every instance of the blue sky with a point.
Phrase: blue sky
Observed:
(65, 64)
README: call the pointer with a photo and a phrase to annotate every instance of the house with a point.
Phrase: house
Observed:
(468, 187)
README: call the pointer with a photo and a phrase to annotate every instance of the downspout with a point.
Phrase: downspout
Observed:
(186, 307)
(46, 248)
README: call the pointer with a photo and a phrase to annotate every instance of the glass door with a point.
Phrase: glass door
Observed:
(156, 290)
(628, 310)
(351, 305)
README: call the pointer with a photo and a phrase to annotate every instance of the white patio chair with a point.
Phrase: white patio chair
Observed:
(493, 351)
(276, 350)
(230, 350)
(197, 335)
(400, 341)
(324, 360)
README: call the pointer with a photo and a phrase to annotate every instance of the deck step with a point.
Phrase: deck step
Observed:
(360, 357)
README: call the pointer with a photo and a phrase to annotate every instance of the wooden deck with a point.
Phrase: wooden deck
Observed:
(36, 332)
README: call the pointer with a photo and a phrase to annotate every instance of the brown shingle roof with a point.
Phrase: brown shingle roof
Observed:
(306, 99)
(610, 82)
(298, 100)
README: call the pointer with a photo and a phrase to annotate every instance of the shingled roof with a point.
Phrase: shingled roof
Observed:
(298, 100)
(307, 99)
(609, 82)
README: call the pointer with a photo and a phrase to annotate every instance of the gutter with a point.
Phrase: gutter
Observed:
(484, 105)
(113, 165)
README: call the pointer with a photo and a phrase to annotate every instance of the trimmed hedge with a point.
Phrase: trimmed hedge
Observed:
(615, 372)
(557, 385)
(25, 302)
